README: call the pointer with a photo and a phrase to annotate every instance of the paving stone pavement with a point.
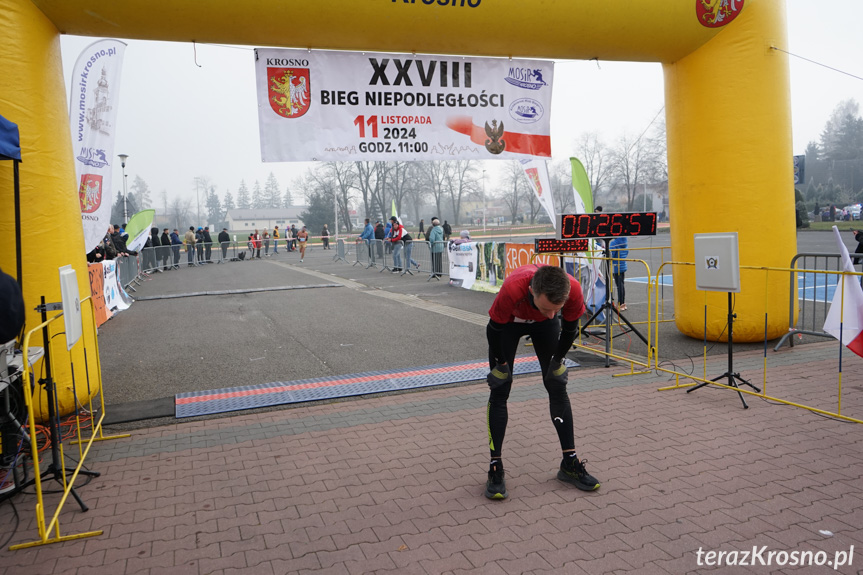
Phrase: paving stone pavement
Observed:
(393, 484)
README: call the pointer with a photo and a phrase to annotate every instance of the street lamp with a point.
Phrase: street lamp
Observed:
(125, 194)
(483, 202)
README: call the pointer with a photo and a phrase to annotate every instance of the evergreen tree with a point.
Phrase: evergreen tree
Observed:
(117, 209)
(214, 207)
(289, 199)
(228, 204)
(319, 212)
(272, 197)
(258, 196)
(244, 202)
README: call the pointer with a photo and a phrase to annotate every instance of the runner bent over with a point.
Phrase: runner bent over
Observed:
(528, 304)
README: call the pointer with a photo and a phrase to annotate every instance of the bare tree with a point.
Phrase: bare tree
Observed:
(399, 182)
(560, 178)
(515, 188)
(434, 176)
(461, 180)
(344, 180)
(635, 164)
(597, 159)
(181, 212)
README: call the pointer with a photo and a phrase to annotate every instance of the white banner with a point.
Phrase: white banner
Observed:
(116, 297)
(537, 174)
(462, 264)
(92, 113)
(346, 106)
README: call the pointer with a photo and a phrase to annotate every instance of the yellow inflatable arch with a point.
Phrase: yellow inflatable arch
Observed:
(727, 106)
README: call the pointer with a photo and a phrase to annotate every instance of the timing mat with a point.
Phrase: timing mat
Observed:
(283, 392)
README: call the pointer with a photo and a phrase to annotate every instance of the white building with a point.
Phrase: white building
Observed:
(249, 220)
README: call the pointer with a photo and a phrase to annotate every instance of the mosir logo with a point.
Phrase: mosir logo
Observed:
(90, 193)
(289, 91)
(526, 110)
(527, 78)
(717, 13)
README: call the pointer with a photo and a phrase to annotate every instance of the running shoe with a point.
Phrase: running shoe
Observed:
(572, 471)
(495, 487)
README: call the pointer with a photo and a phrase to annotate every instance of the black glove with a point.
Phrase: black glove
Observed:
(498, 376)
(557, 372)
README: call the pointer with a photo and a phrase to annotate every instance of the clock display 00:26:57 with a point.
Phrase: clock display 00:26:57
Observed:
(606, 225)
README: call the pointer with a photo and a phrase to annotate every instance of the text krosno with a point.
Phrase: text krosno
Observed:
(422, 99)
(760, 556)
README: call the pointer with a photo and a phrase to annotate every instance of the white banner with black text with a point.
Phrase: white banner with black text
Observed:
(348, 106)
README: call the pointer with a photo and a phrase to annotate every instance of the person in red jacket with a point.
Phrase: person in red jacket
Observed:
(543, 302)
(256, 244)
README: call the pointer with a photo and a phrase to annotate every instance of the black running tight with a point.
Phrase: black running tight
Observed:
(544, 336)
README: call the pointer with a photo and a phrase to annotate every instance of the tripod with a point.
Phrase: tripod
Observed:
(729, 375)
(56, 470)
(609, 308)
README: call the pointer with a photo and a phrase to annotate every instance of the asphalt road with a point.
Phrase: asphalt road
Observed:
(323, 318)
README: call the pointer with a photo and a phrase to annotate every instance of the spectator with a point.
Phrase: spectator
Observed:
(401, 240)
(303, 237)
(176, 242)
(463, 238)
(208, 245)
(11, 310)
(165, 252)
(189, 240)
(597, 209)
(199, 244)
(266, 237)
(325, 237)
(256, 244)
(224, 241)
(380, 234)
(619, 250)
(289, 239)
(153, 243)
(435, 238)
(388, 235)
(119, 239)
(368, 237)
(275, 240)
(293, 237)
(447, 231)
(422, 227)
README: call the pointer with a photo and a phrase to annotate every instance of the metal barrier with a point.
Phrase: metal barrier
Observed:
(83, 450)
(341, 251)
(128, 271)
(365, 253)
(604, 330)
(812, 392)
(811, 308)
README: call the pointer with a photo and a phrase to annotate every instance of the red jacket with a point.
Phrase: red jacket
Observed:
(513, 302)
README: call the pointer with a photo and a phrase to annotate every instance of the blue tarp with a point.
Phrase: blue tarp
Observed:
(10, 143)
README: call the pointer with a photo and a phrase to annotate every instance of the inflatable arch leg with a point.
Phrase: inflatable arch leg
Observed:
(51, 232)
(729, 163)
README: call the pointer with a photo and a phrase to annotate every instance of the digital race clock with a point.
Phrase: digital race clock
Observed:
(606, 225)
(553, 246)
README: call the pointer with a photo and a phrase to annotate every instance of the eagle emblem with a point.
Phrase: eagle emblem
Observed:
(716, 13)
(90, 193)
(494, 143)
(289, 91)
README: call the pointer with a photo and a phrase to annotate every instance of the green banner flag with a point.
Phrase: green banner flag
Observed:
(581, 188)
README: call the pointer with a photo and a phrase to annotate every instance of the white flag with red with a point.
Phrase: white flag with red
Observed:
(537, 176)
(845, 318)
